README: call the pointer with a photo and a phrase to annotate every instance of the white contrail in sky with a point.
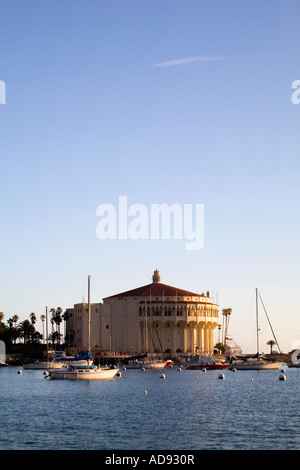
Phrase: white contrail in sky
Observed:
(189, 60)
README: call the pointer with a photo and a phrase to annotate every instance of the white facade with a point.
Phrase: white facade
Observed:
(80, 325)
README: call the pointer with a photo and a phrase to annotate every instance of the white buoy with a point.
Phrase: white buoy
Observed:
(282, 377)
(234, 369)
(282, 370)
(251, 379)
(143, 369)
(145, 392)
(203, 370)
(19, 372)
(124, 368)
(162, 376)
(179, 370)
(221, 376)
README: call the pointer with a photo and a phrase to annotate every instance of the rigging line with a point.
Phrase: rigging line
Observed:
(269, 322)
(151, 337)
(156, 331)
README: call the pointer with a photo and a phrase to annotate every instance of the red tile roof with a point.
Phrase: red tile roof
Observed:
(155, 289)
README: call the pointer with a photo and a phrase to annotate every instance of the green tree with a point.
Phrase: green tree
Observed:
(226, 312)
(32, 317)
(56, 319)
(55, 337)
(220, 348)
(52, 321)
(25, 330)
(43, 318)
(12, 330)
(271, 343)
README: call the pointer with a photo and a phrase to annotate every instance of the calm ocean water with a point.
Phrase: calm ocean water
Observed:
(189, 410)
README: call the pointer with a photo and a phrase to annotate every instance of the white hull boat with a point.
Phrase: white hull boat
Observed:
(147, 365)
(88, 371)
(83, 373)
(255, 365)
(155, 365)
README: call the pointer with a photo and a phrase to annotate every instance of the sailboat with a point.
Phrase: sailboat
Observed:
(150, 362)
(255, 363)
(88, 371)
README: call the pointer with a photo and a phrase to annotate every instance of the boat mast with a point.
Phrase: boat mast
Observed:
(269, 322)
(89, 310)
(146, 325)
(47, 334)
(257, 329)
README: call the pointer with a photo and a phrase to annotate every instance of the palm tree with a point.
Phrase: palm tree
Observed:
(2, 326)
(32, 317)
(12, 331)
(271, 343)
(226, 312)
(58, 319)
(52, 311)
(15, 319)
(65, 317)
(25, 330)
(43, 318)
(220, 348)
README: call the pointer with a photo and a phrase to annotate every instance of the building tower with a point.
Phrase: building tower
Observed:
(156, 277)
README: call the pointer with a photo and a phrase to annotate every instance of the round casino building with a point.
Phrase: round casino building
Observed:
(152, 318)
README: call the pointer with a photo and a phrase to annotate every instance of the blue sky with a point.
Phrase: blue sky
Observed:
(164, 102)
